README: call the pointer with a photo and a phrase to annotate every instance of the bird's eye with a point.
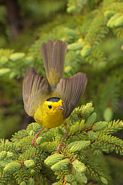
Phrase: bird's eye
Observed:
(50, 106)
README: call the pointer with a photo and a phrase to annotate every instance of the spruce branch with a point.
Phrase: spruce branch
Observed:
(73, 163)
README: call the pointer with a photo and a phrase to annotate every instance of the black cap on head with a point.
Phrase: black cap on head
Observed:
(53, 99)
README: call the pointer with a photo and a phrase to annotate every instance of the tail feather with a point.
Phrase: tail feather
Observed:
(53, 53)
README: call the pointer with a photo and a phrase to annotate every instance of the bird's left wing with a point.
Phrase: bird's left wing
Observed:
(70, 91)
(35, 89)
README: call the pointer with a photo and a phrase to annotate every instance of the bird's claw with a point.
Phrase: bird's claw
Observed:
(34, 142)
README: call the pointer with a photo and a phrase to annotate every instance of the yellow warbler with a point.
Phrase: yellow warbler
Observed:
(51, 100)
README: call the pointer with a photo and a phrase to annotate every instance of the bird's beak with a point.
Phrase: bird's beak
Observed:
(60, 108)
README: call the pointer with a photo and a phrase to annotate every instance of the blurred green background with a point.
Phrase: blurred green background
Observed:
(93, 30)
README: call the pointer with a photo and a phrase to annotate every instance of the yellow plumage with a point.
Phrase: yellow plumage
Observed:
(50, 117)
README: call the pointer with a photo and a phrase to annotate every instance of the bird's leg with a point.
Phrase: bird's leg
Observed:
(36, 136)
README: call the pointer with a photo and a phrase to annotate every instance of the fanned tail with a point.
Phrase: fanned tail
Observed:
(53, 53)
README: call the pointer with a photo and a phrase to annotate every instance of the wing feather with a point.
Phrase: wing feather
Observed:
(70, 91)
(35, 88)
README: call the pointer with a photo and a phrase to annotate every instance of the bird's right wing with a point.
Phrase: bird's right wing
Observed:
(70, 91)
(35, 90)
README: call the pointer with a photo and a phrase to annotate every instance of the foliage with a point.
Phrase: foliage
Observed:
(93, 30)
(70, 154)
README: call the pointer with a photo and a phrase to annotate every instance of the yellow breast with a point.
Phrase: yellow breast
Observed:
(49, 118)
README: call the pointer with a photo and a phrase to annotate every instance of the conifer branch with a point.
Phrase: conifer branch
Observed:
(22, 162)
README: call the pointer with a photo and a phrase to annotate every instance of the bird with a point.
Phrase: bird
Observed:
(50, 100)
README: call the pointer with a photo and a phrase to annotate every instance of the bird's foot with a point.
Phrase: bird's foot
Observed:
(36, 136)
(34, 142)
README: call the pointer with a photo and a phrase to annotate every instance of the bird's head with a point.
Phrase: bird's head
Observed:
(53, 106)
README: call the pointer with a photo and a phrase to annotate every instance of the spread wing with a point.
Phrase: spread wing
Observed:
(70, 91)
(53, 53)
(35, 88)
